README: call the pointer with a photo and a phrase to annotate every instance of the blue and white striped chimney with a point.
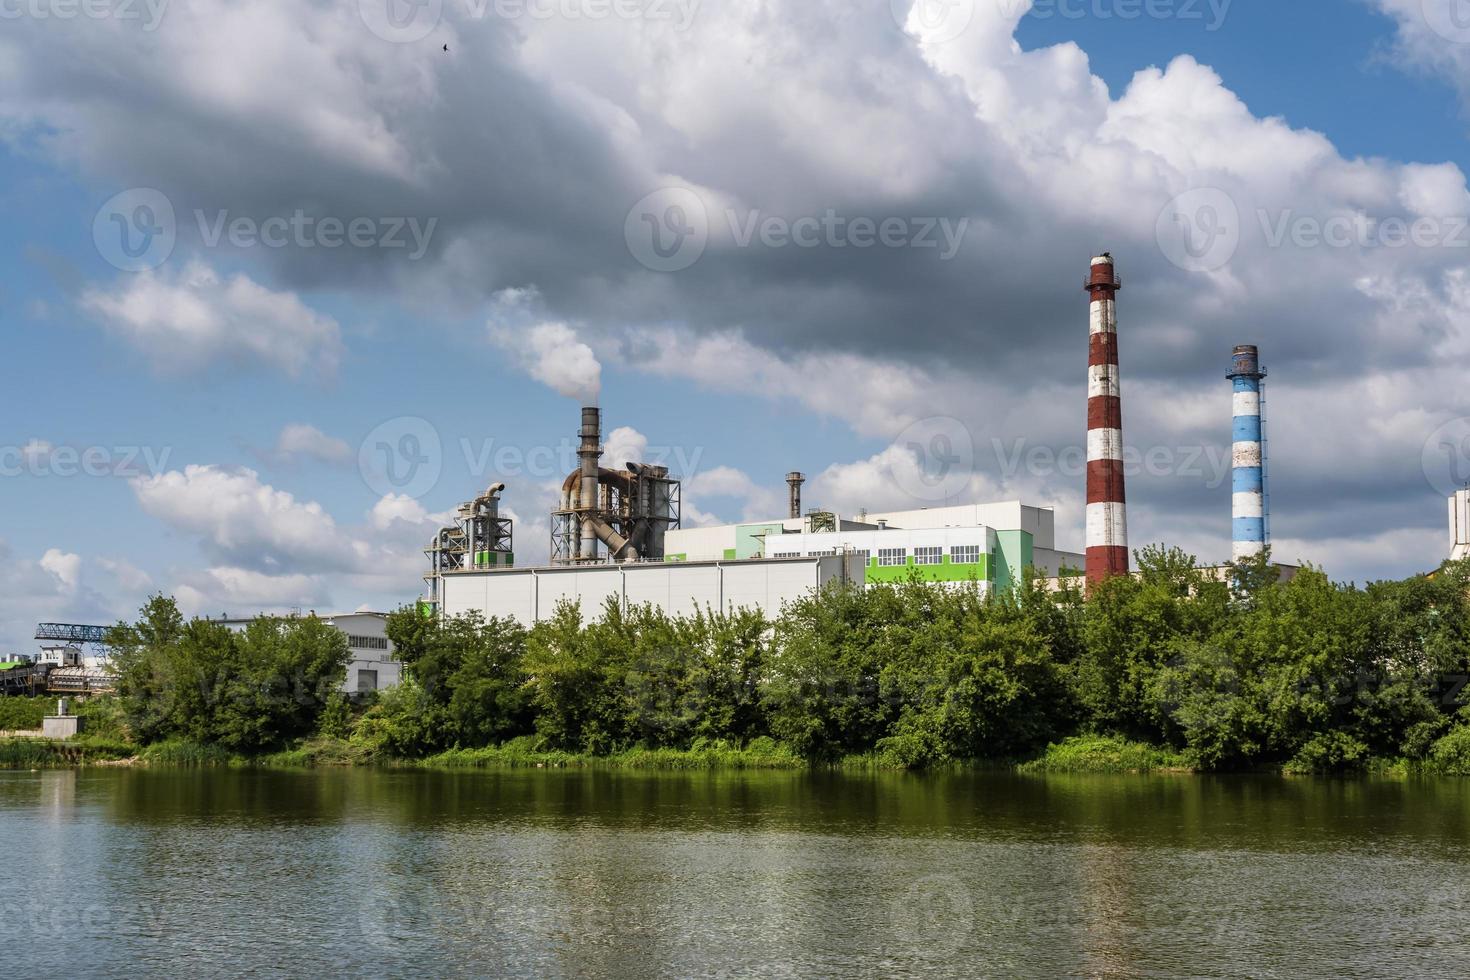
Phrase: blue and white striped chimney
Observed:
(1248, 457)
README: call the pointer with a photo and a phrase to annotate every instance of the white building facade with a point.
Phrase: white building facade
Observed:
(374, 665)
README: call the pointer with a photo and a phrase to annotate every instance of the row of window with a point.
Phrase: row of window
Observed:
(964, 554)
(367, 642)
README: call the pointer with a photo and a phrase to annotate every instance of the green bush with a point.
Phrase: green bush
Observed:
(1104, 754)
(1451, 754)
(20, 714)
(1330, 752)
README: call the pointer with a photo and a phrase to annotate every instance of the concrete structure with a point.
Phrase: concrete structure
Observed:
(374, 665)
(63, 724)
(1107, 517)
(1248, 457)
(530, 595)
(1460, 525)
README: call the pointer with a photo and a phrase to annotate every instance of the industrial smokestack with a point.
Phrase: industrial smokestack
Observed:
(1248, 480)
(793, 484)
(1107, 515)
(588, 455)
(1460, 525)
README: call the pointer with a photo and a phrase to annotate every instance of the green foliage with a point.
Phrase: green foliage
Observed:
(20, 714)
(1451, 754)
(1104, 754)
(39, 753)
(1176, 667)
(184, 753)
(242, 692)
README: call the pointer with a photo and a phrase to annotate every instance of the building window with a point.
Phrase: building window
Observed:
(368, 642)
(928, 556)
(367, 681)
(786, 554)
(965, 554)
(861, 553)
(824, 554)
(891, 556)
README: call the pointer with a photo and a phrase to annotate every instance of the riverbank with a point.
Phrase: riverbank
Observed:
(1081, 755)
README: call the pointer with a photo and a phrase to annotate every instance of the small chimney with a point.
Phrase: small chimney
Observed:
(794, 481)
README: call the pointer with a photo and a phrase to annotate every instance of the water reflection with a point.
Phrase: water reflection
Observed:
(572, 873)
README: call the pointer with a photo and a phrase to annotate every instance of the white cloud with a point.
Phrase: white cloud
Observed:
(1367, 344)
(238, 517)
(191, 319)
(1433, 36)
(301, 441)
(624, 445)
(552, 354)
(65, 566)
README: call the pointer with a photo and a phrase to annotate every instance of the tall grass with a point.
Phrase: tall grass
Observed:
(41, 753)
(178, 752)
(1104, 753)
(523, 753)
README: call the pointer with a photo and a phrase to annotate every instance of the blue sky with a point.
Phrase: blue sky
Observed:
(531, 140)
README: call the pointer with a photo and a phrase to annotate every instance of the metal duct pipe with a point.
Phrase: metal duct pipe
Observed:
(619, 547)
(588, 454)
(794, 481)
(1248, 472)
(1107, 513)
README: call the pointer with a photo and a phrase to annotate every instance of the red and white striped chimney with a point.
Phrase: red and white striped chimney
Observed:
(1107, 513)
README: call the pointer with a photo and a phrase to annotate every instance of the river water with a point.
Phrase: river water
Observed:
(557, 873)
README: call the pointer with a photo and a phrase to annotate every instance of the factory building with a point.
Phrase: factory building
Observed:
(991, 544)
(616, 535)
(1460, 525)
(374, 665)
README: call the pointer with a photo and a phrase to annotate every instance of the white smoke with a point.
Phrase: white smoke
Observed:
(552, 354)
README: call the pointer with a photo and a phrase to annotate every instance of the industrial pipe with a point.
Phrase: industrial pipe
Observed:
(1107, 513)
(1248, 470)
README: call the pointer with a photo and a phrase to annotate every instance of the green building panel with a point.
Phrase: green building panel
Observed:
(1014, 553)
(750, 539)
(946, 572)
